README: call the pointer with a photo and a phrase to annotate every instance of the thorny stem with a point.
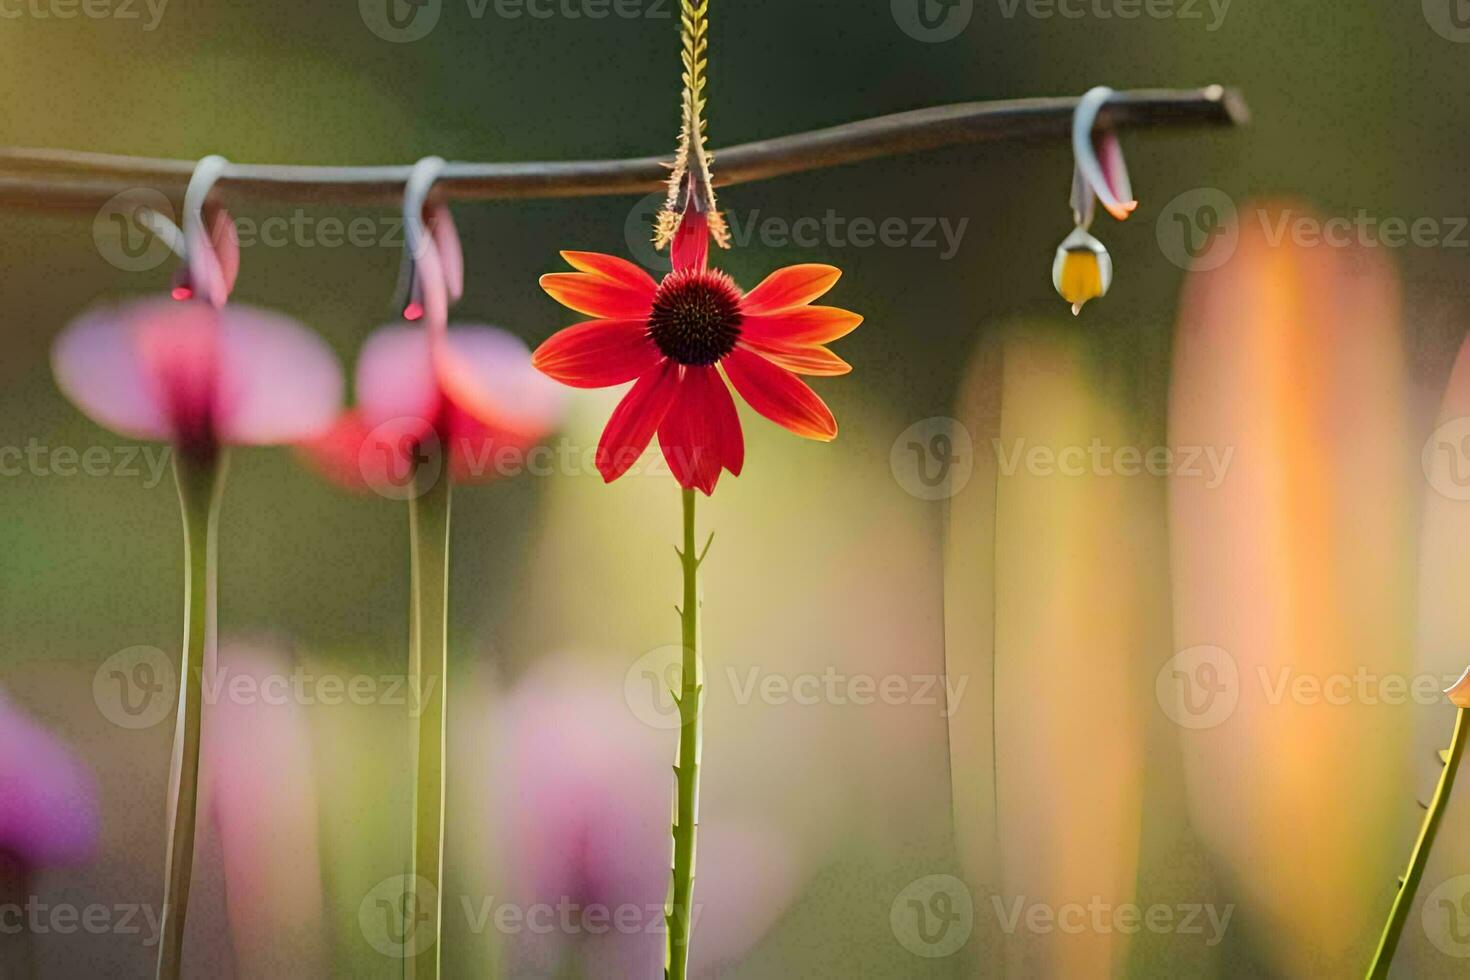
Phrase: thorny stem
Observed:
(678, 909)
(1404, 900)
(200, 479)
(428, 665)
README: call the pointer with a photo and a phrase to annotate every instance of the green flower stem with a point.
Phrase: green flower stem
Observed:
(1417, 861)
(429, 663)
(200, 481)
(677, 912)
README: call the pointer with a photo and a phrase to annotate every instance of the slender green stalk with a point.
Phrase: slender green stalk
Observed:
(428, 663)
(200, 481)
(1399, 914)
(678, 910)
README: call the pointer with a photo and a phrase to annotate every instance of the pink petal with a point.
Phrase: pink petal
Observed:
(48, 799)
(395, 376)
(487, 372)
(445, 237)
(226, 241)
(279, 382)
(98, 367)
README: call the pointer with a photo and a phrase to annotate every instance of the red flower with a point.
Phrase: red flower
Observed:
(681, 339)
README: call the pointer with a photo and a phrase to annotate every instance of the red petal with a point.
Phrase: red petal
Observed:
(635, 420)
(598, 353)
(779, 395)
(690, 249)
(795, 285)
(801, 359)
(611, 267)
(596, 296)
(803, 325)
(701, 433)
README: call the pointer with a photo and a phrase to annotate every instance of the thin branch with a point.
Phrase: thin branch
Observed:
(71, 179)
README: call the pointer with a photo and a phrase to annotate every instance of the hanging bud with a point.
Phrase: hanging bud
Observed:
(1082, 270)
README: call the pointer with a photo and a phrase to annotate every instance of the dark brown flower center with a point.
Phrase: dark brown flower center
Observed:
(696, 316)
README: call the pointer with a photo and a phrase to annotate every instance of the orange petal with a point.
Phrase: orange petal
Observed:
(611, 267)
(795, 285)
(779, 395)
(817, 361)
(598, 353)
(635, 420)
(802, 325)
(596, 296)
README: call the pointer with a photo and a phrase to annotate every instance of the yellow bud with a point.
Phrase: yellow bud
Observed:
(1082, 270)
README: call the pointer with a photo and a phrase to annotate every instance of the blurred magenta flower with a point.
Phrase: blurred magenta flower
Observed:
(467, 392)
(196, 372)
(202, 375)
(404, 405)
(261, 794)
(581, 800)
(48, 798)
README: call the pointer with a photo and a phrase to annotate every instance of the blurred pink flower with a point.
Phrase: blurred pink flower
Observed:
(581, 804)
(48, 799)
(261, 794)
(469, 392)
(196, 372)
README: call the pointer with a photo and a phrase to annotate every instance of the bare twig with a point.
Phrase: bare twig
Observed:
(52, 179)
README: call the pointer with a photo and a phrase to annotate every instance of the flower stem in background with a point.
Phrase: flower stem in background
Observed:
(429, 662)
(200, 478)
(1410, 883)
(678, 910)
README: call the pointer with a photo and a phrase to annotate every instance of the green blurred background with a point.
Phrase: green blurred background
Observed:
(821, 558)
